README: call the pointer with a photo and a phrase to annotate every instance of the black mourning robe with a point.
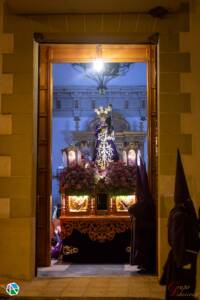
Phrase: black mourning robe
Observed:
(180, 269)
(179, 274)
(143, 246)
(143, 228)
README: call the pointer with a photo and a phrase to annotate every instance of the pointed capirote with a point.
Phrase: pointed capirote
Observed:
(181, 192)
(144, 177)
(139, 185)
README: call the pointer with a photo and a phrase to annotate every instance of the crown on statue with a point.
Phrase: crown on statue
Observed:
(103, 110)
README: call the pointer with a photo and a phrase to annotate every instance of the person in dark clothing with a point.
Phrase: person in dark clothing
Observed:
(144, 178)
(179, 273)
(143, 231)
(56, 241)
(199, 218)
(135, 210)
(197, 291)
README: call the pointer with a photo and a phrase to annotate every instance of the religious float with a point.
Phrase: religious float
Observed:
(96, 191)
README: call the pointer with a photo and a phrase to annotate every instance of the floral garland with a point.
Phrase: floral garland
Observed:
(118, 179)
(121, 179)
(77, 180)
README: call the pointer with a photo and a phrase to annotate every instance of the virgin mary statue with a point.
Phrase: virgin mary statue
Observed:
(105, 149)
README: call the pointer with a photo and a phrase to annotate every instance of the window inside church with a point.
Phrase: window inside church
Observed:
(58, 104)
(126, 104)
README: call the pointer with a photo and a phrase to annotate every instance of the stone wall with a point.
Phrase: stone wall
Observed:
(175, 89)
(16, 190)
(190, 42)
(6, 46)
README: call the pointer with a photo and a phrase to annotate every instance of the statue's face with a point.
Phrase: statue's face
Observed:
(102, 118)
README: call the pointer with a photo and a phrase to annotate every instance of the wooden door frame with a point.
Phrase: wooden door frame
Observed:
(69, 53)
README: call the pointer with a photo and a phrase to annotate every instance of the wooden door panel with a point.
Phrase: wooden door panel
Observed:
(42, 102)
(152, 121)
(43, 128)
(44, 162)
(42, 156)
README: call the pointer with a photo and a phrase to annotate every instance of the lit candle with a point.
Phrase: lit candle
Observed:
(71, 157)
(124, 155)
(131, 157)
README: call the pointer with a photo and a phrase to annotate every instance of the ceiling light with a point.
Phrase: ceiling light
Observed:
(98, 65)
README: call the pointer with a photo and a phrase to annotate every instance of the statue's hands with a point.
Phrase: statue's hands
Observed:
(102, 130)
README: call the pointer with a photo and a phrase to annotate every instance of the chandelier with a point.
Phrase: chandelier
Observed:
(102, 72)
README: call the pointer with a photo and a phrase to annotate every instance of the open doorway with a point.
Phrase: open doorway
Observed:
(74, 100)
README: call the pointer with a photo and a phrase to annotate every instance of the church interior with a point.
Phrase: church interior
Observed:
(78, 97)
(90, 93)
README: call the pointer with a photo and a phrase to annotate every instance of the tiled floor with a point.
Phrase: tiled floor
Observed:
(124, 287)
(80, 285)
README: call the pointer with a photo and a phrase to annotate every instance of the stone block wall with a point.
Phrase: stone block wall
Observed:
(16, 214)
(172, 102)
(190, 125)
(6, 46)
(178, 108)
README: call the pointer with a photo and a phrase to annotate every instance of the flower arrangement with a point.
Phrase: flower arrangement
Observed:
(121, 179)
(77, 180)
(117, 179)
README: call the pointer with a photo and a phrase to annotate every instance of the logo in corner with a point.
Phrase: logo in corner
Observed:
(12, 289)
